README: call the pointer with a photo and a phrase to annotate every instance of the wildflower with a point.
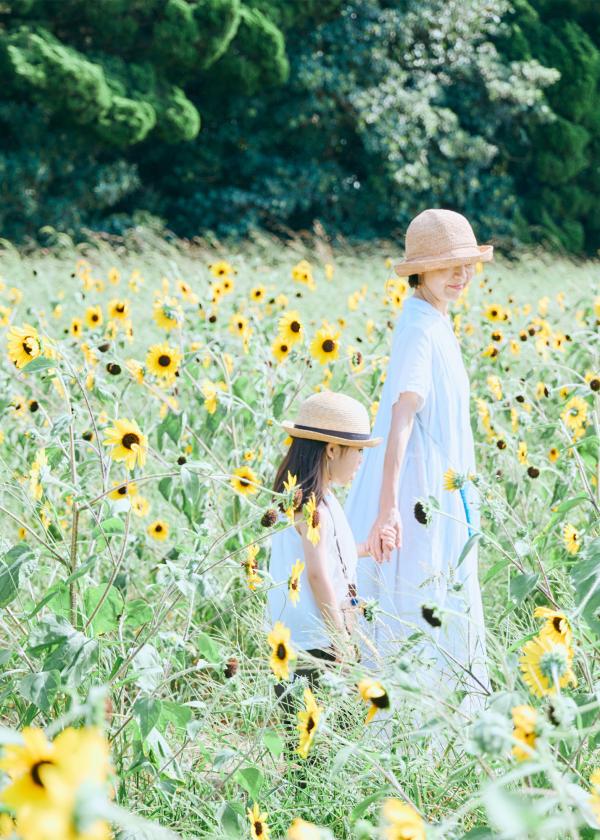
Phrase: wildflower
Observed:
(209, 392)
(325, 345)
(24, 345)
(128, 443)
(494, 387)
(290, 327)
(140, 506)
(495, 312)
(281, 348)
(553, 454)
(118, 310)
(431, 615)
(522, 452)
(294, 582)
(243, 480)
(453, 480)
(258, 826)
(525, 724)
(329, 271)
(402, 821)
(159, 530)
(221, 269)
(251, 566)
(281, 650)
(167, 313)
(311, 517)
(302, 273)
(163, 361)
(375, 694)
(557, 626)
(93, 317)
(421, 514)
(594, 799)
(257, 294)
(122, 490)
(308, 722)
(114, 276)
(571, 538)
(186, 291)
(546, 665)
(575, 413)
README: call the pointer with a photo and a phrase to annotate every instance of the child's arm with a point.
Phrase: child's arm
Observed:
(315, 559)
(388, 541)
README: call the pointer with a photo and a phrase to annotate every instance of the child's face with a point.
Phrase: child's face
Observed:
(343, 462)
(448, 283)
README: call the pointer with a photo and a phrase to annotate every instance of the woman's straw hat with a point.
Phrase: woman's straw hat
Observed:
(334, 417)
(440, 239)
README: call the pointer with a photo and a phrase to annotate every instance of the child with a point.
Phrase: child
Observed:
(320, 608)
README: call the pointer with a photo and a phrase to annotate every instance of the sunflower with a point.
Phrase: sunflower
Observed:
(281, 651)
(494, 387)
(325, 345)
(375, 694)
(158, 530)
(252, 576)
(574, 414)
(545, 664)
(186, 291)
(495, 312)
(221, 269)
(114, 276)
(553, 454)
(291, 327)
(258, 826)
(300, 829)
(243, 480)
(571, 538)
(302, 273)
(5, 312)
(24, 345)
(281, 348)
(557, 626)
(93, 316)
(308, 722)
(167, 313)
(238, 324)
(525, 724)
(118, 310)
(163, 361)
(258, 294)
(140, 506)
(402, 821)
(123, 490)
(27, 765)
(294, 582)
(522, 452)
(128, 443)
(311, 517)
(76, 327)
(453, 480)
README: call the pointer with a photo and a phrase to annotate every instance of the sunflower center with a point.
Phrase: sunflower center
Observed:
(164, 360)
(158, 528)
(382, 702)
(120, 307)
(94, 317)
(310, 724)
(328, 345)
(281, 652)
(295, 327)
(315, 519)
(284, 348)
(35, 771)
(130, 439)
(556, 623)
(30, 345)
(244, 482)
(122, 490)
(258, 828)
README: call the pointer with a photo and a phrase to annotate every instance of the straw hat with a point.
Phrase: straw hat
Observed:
(440, 239)
(334, 417)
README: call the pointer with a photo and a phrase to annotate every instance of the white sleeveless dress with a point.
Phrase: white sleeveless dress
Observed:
(426, 358)
(304, 618)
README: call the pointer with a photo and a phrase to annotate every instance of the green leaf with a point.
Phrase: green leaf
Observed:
(10, 567)
(510, 488)
(585, 575)
(251, 779)
(207, 647)
(521, 585)
(278, 402)
(39, 364)
(174, 713)
(473, 539)
(273, 742)
(230, 821)
(40, 688)
(107, 617)
(365, 804)
(164, 488)
(172, 426)
(494, 570)
(137, 612)
(112, 525)
(147, 711)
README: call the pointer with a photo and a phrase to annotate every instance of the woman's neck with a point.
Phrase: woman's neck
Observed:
(428, 297)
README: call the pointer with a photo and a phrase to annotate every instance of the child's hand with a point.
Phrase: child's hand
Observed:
(388, 539)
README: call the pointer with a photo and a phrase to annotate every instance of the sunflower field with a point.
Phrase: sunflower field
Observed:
(143, 387)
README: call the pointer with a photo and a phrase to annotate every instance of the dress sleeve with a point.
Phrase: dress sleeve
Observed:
(414, 364)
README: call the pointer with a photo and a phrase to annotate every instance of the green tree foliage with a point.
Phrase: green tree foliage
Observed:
(556, 164)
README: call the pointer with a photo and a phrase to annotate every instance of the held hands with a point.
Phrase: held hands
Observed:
(385, 535)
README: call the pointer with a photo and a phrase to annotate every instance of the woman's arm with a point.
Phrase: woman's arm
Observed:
(403, 415)
(315, 560)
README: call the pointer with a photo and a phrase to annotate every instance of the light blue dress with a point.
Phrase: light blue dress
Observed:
(426, 358)
(304, 619)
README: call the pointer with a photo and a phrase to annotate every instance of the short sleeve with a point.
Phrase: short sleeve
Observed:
(413, 363)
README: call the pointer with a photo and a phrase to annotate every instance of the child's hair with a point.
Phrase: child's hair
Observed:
(304, 459)
(414, 280)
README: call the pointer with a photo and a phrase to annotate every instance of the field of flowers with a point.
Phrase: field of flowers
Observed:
(143, 384)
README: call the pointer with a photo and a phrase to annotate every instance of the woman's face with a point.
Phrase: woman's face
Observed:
(343, 462)
(448, 283)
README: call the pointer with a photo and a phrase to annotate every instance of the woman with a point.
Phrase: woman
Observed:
(424, 419)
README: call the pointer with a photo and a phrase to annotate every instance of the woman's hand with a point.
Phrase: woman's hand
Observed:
(386, 534)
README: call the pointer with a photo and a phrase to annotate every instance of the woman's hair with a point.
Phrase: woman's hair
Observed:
(414, 280)
(304, 459)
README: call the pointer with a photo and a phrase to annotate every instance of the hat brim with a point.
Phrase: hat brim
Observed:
(291, 429)
(479, 253)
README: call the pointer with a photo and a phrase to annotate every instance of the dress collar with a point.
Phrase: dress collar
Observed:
(426, 307)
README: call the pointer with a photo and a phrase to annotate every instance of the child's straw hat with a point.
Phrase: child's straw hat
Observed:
(334, 417)
(440, 239)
